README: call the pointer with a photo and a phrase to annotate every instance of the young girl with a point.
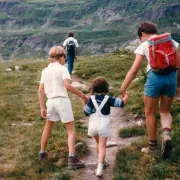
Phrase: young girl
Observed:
(98, 108)
(55, 81)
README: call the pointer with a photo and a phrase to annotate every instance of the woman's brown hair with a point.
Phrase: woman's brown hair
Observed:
(99, 85)
(147, 27)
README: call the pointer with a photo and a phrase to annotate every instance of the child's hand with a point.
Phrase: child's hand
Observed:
(125, 97)
(43, 113)
(85, 99)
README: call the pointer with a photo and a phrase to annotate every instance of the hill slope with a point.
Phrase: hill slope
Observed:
(30, 28)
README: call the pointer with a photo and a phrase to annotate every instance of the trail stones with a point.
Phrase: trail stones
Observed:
(8, 70)
(17, 68)
(81, 148)
(80, 86)
(110, 144)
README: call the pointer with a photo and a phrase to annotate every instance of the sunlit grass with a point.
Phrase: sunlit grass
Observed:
(20, 143)
(21, 127)
(132, 131)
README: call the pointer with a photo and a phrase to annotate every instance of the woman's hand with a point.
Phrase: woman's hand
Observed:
(123, 91)
(125, 97)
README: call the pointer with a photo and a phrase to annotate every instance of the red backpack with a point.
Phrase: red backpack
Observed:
(162, 53)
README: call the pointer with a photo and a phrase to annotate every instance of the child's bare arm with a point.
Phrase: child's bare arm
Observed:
(74, 90)
(41, 100)
(83, 104)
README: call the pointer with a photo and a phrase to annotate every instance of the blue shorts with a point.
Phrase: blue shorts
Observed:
(160, 84)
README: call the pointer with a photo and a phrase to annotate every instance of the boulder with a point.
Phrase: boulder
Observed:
(8, 69)
(80, 86)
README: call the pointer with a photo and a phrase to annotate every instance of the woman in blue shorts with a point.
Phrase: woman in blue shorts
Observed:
(159, 89)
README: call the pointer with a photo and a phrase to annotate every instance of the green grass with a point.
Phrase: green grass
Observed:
(132, 131)
(20, 143)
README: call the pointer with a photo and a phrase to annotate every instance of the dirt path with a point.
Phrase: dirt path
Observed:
(118, 120)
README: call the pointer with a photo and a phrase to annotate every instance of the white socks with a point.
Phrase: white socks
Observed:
(100, 166)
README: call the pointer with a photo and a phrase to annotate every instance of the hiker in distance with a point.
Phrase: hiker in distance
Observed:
(162, 84)
(98, 109)
(71, 46)
(55, 81)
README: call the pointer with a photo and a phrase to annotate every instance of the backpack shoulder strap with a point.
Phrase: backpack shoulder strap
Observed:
(159, 39)
(106, 97)
(95, 103)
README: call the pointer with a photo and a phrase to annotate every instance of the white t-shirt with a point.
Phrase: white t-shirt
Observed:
(52, 77)
(70, 39)
(143, 49)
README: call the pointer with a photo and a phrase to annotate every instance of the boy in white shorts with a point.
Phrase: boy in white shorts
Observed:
(55, 81)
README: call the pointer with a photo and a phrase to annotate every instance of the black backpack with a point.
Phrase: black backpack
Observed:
(71, 47)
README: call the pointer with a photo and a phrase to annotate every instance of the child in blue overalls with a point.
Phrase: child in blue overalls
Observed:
(98, 110)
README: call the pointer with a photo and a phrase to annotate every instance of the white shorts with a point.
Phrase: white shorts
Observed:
(59, 109)
(99, 125)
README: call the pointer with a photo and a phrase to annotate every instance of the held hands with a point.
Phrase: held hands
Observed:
(125, 97)
(84, 100)
(43, 113)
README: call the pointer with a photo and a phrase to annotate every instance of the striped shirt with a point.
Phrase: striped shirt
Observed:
(111, 102)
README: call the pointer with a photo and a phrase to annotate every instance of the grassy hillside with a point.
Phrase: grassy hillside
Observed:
(21, 124)
(21, 127)
(100, 26)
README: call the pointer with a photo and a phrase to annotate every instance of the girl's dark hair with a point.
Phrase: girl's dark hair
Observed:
(147, 27)
(99, 85)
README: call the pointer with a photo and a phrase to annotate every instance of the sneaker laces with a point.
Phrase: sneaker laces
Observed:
(166, 133)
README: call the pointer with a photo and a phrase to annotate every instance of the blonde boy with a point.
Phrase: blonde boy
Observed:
(55, 81)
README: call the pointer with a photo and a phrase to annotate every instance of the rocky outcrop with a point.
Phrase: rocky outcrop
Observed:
(30, 28)
(132, 45)
(170, 11)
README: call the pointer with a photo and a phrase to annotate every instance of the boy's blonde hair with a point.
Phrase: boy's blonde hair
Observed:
(57, 52)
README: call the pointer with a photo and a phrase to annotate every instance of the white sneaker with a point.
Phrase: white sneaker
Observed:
(99, 172)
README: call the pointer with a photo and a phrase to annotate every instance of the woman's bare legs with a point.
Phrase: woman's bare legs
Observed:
(150, 112)
(166, 122)
(165, 108)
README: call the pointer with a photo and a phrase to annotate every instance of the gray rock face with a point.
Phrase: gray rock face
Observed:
(132, 45)
(29, 29)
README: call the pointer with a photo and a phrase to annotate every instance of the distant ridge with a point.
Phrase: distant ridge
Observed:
(28, 28)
